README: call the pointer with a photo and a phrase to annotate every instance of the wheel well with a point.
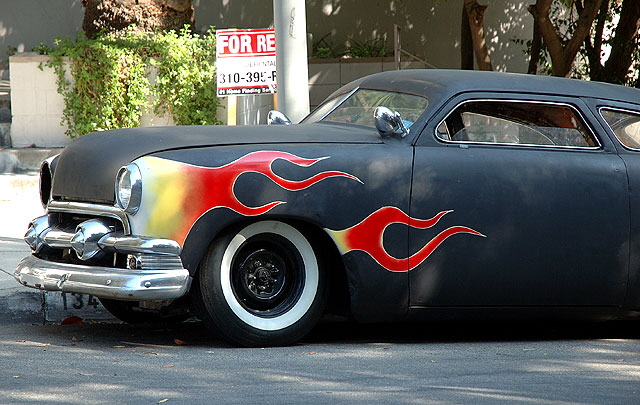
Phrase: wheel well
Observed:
(338, 301)
(338, 298)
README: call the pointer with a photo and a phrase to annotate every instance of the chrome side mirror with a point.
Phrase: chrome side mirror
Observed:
(276, 117)
(389, 122)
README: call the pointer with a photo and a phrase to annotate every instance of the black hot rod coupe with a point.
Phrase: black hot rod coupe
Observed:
(406, 195)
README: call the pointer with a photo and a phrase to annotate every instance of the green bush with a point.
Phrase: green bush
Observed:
(110, 74)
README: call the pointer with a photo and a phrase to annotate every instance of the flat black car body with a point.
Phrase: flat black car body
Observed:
(489, 194)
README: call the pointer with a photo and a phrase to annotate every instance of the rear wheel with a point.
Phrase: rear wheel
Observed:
(261, 285)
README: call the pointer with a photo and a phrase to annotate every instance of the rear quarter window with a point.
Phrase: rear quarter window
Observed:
(625, 125)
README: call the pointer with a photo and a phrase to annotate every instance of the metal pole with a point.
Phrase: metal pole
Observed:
(396, 45)
(290, 23)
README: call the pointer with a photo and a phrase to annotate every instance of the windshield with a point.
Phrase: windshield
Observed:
(358, 107)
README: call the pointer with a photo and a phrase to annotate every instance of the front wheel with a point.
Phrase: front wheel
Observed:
(261, 286)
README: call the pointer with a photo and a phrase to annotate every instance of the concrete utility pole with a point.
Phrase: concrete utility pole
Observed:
(290, 21)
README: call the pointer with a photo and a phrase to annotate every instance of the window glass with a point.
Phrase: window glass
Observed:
(625, 125)
(519, 123)
(359, 107)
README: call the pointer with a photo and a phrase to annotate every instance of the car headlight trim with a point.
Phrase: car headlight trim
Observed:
(129, 188)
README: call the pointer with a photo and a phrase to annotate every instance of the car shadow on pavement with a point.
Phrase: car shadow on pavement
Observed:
(472, 331)
(194, 333)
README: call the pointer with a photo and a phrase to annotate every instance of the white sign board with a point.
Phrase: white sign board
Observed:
(246, 62)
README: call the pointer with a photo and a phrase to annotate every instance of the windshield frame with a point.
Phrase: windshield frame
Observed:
(320, 113)
(341, 98)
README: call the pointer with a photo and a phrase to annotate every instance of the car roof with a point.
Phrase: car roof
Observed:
(446, 83)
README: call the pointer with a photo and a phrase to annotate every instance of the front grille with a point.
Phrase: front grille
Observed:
(154, 262)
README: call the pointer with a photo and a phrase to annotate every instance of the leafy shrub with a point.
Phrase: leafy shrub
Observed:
(111, 88)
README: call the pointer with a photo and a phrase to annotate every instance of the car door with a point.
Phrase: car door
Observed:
(623, 122)
(534, 207)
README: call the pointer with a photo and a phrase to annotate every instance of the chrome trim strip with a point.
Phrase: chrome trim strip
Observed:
(574, 109)
(128, 244)
(72, 207)
(105, 282)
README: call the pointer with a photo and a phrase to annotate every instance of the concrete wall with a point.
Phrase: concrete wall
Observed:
(36, 106)
(430, 29)
(26, 23)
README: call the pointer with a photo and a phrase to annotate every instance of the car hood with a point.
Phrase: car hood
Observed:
(87, 168)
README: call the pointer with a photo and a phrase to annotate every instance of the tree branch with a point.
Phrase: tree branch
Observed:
(475, 12)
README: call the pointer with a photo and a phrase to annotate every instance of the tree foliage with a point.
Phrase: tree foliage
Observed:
(587, 39)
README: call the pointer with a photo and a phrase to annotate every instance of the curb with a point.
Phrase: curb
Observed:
(21, 307)
(39, 307)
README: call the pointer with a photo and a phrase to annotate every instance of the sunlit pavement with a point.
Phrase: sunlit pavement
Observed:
(478, 363)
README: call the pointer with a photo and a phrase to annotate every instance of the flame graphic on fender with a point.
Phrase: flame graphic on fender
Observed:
(181, 193)
(222, 179)
(367, 236)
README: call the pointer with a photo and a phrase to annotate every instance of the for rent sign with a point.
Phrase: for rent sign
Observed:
(246, 62)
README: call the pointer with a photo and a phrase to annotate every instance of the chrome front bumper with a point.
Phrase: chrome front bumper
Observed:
(154, 269)
(104, 282)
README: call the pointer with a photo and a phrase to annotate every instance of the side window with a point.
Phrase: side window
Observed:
(517, 123)
(625, 125)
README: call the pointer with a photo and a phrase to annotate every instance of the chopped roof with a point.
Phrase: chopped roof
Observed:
(442, 82)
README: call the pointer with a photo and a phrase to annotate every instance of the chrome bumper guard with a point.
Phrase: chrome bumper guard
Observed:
(105, 282)
(155, 270)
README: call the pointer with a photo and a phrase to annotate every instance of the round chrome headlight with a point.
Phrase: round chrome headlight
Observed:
(129, 188)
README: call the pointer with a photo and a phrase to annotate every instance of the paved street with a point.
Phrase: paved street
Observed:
(338, 363)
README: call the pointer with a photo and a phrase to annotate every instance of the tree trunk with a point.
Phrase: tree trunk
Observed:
(594, 51)
(475, 12)
(562, 57)
(536, 45)
(147, 15)
(466, 42)
(617, 66)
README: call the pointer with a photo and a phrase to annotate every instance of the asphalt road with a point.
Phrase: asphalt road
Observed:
(338, 363)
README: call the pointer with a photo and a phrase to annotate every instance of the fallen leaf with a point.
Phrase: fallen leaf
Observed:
(180, 342)
(72, 320)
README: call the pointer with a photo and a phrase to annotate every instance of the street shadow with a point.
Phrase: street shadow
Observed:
(344, 332)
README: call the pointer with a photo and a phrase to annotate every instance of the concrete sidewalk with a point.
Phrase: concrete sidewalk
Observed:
(19, 204)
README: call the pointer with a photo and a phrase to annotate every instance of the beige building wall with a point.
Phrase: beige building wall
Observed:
(430, 28)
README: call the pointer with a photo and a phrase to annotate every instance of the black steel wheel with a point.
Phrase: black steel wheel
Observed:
(261, 286)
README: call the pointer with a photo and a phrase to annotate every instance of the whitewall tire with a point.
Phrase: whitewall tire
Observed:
(261, 285)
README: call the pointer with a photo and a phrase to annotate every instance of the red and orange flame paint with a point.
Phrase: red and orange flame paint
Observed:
(176, 194)
(368, 235)
(181, 193)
